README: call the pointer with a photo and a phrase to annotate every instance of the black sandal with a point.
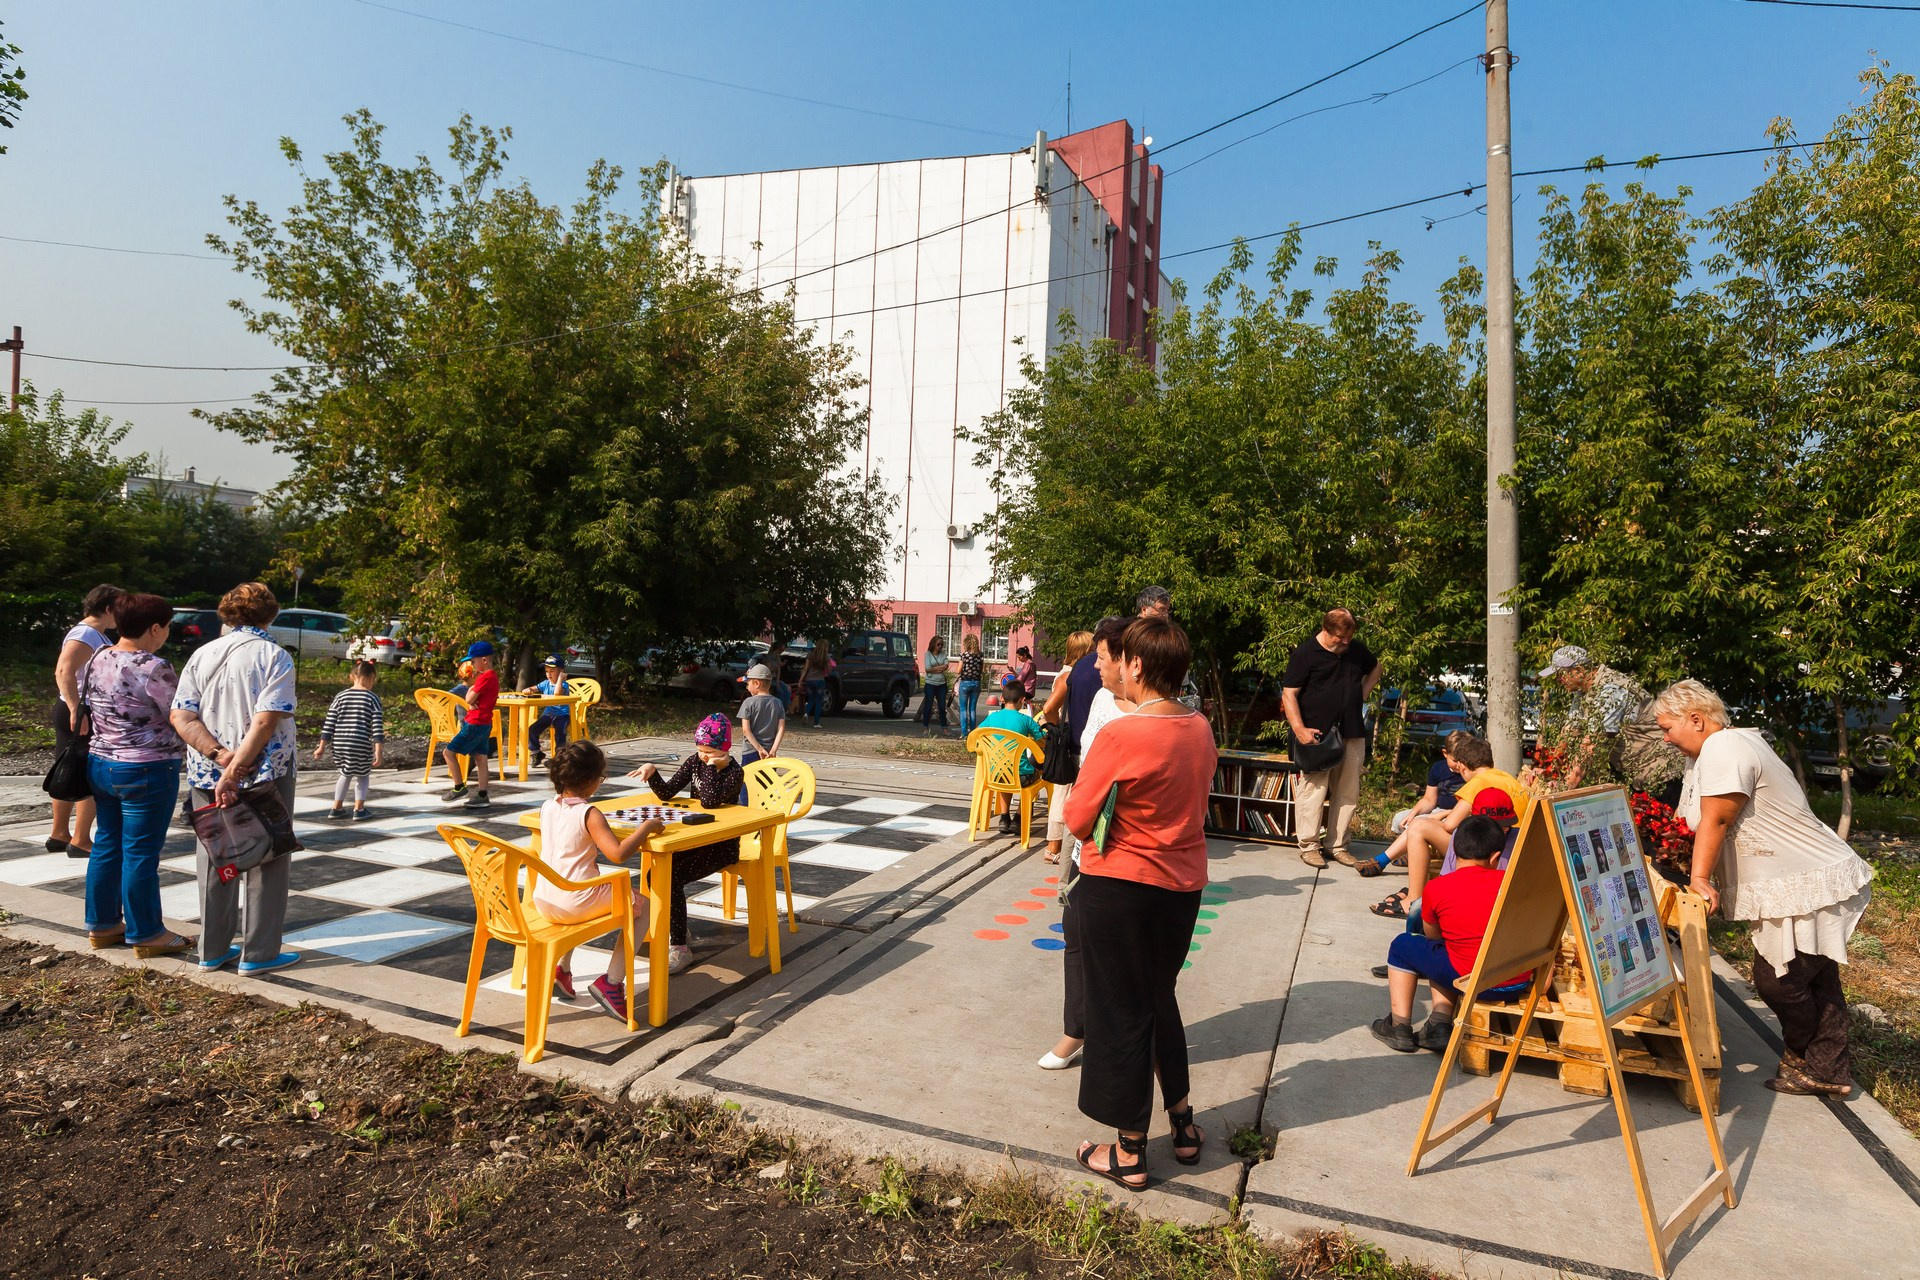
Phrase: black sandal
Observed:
(1115, 1172)
(1393, 906)
(1183, 1126)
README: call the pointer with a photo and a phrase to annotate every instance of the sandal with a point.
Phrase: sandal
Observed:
(1114, 1172)
(168, 944)
(1369, 869)
(99, 941)
(1393, 906)
(1793, 1071)
(1187, 1136)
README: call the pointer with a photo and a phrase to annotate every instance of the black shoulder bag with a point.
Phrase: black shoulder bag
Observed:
(67, 776)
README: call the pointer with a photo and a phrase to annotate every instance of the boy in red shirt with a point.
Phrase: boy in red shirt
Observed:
(475, 739)
(1454, 917)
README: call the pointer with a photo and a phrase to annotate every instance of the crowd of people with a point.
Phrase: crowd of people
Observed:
(1131, 765)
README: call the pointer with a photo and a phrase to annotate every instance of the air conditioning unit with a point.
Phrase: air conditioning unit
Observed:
(967, 608)
(958, 533)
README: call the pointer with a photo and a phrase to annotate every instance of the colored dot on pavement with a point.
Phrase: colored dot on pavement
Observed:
(1053, 880)
(1009, 919)
(1219, 888)
(1057, 928)
(1209, 915)
(1199, 928)
(1044, 893)
(1029, 906)
(1186, 964)
(1050, 944)
(992, 935)
(1193, 946)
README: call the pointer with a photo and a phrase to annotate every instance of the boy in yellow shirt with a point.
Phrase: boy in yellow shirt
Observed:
(1429, 835)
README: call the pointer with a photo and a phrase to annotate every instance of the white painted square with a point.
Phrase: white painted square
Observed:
(818, 829)
(886, 804)
(311, 806)
(916, 825)
(417, 824)
(400, 851)
(847, 855)
(390, 888)
(186, 862)
(181, 901)
(44, 868)
(371, 937)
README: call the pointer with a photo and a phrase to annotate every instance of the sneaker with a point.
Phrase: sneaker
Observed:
(478, 800)
(220, 962)
(1397, 1036)
(611, 999)
(285, 960)
(336, 813)
(361, 815)
(563, 982)
(1378, 971)
(679, 958)
(1434, 1034)
(537, 762)
(454, 793)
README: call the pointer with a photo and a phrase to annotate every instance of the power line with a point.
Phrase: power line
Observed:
(108, 248)
(688, 75)
(1837, 4)
(66, 399)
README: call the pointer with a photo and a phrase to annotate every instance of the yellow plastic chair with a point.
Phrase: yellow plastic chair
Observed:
(494, 870)
(783, 785)
(996, 777)
(445, 715)
(590, 695)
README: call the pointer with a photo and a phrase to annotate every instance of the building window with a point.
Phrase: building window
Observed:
(909, 623)
(950, 627)
(995, 639)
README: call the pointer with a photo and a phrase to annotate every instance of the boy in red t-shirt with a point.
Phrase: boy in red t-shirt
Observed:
(1455, 913)
(475, 739)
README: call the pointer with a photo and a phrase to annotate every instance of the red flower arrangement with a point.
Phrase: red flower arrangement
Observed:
(1665, 836)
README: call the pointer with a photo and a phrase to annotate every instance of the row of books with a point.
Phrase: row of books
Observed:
(1261, 823)
(1258, 784)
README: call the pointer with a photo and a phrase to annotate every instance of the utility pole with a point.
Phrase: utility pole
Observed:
(1503, 521)
(16, 345)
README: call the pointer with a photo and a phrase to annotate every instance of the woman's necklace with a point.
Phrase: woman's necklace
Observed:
(1138, 707)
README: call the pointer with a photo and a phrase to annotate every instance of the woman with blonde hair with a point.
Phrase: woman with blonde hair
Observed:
(1760, 854)
(972, 668)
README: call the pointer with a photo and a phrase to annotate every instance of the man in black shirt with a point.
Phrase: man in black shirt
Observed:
(1328, 679)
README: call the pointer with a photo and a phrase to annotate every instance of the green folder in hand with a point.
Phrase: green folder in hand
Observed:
(1098, 839)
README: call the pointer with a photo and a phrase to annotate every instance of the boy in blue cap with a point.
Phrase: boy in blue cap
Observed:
(559, 719)
(475, 739)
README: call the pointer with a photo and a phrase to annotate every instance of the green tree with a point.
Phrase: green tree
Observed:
(13, 87)
(548, 419)
(61, 525)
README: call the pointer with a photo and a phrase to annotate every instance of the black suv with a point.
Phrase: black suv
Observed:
(192, 628)
(874, 666)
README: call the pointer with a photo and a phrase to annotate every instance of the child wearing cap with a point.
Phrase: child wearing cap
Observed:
(1457, 909)
(1430, 835)
(716, 780)
(1013, 716)
(475, 739)
(558, 719)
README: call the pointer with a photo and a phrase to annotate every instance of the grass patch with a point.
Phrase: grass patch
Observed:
(1872, 811)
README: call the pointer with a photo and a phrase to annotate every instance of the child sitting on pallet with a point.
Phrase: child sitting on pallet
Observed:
(1455, 914)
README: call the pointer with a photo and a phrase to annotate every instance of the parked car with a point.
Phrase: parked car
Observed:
(312, 633)
(191, 628)
(389, 646)
(714, 670)
(874, 666)
(1869, 742)
(1447, 709)
(793, 659)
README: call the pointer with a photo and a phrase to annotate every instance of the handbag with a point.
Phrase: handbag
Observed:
(66, 778)
(1317, 757)
(1062, 765)
(235, 837)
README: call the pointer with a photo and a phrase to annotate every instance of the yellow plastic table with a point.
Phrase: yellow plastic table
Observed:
(656, 871)
(517, 712)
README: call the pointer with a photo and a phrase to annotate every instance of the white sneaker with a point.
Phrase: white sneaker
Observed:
(679, 958)
(1049, 1062)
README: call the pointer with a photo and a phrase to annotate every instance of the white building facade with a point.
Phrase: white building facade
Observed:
(940, 274)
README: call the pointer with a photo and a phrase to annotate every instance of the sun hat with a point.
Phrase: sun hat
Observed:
(1566, 658)
(714, 732)
(759, 671)
(480, 649)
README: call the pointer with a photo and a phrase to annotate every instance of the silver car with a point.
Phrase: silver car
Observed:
(312, 633)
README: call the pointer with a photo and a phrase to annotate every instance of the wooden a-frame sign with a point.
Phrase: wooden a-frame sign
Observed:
(1578, 858)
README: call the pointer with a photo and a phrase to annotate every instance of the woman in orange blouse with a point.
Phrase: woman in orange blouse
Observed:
(1136, 900)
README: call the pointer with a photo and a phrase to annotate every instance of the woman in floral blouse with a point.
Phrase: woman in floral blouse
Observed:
(133, 764)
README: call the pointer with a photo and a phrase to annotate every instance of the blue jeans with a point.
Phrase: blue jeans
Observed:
(134, 805)
(816, 700)
(747, 756)
(969, 691)
(935, 695)
(553, 718)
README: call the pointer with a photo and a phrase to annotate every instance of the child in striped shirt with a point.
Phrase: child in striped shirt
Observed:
(356, 730)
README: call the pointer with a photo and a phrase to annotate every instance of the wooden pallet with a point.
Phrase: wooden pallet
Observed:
(1648, 1040)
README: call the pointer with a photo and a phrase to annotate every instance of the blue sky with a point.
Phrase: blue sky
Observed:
(142, 116)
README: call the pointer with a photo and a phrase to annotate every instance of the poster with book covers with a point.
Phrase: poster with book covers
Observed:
(1618, 918)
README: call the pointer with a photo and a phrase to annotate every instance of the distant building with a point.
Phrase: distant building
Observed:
(186, 487)
(992, 250)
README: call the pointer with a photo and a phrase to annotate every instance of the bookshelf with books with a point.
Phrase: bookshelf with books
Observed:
(1252, 797)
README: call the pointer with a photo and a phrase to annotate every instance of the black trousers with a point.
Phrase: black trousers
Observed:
(691, 865)
(1133, 939)
(1073, 1019)
(1807, 998)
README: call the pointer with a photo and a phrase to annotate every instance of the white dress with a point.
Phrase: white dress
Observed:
(1804, 887)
